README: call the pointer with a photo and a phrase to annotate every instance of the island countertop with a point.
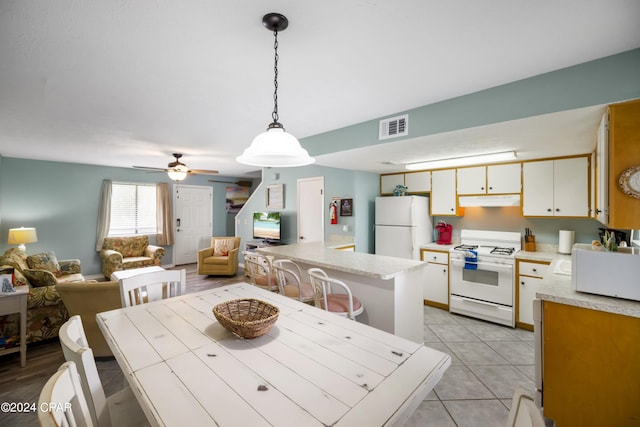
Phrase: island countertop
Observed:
(322, 255)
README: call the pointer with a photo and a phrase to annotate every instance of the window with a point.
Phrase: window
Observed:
(133, 209)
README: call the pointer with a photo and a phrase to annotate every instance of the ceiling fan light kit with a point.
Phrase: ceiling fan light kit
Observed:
(177, 170)
(275, 147)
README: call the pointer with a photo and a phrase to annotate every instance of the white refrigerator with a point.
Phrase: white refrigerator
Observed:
(403, 224)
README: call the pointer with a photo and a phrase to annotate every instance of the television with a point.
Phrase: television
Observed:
(266, 226)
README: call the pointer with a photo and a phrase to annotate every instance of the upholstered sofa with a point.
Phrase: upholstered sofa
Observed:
(45, 310)
(221, 259)
(124, 253)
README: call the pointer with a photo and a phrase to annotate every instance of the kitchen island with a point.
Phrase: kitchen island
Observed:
(587, 348)
(389, 288)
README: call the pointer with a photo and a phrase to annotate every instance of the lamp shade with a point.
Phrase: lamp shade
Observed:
(276, 148)
(178, 173)
(22, 235)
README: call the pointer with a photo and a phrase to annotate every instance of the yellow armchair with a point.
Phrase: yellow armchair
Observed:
(221, 259)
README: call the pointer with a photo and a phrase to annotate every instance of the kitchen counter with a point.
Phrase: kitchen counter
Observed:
(324, 255)
(389, 288)
(433, 246)
(559, 288)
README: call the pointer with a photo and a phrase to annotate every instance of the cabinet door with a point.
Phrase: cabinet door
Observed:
(537, 188)
(602, 172)
(418, 182)
(504, 179)
(436, 284)
(528, 288)
(443, 192)
(571, 187)
(388, 182)
(472, 180)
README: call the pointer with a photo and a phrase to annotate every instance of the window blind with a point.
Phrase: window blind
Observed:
(133, 209)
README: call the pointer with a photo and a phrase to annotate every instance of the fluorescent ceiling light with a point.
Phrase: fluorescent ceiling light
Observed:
(463, 161)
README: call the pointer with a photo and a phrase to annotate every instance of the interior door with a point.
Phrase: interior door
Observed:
(311, 209)
(193, 221)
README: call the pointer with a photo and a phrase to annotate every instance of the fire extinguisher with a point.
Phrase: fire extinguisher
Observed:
(333, 212)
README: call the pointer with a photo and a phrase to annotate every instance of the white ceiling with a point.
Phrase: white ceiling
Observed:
(122, 83)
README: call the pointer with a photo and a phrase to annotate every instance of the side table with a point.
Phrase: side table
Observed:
(16, 302)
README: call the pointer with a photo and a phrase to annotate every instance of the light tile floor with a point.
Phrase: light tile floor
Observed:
(487, 362)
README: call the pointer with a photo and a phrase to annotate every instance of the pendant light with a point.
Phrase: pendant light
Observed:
(275, 147)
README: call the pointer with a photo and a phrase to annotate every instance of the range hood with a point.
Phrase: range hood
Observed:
(489, 201)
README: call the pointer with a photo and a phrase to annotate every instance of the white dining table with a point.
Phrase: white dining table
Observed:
(313, 368)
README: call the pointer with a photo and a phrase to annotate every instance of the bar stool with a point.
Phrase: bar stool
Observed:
(258, 267)
(289, 277)
(342, 303)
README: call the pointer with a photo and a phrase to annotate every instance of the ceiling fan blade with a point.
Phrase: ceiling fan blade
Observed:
(240, 183)
(203, 171)
(151, 169)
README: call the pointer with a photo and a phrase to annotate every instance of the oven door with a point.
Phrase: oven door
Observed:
(491, 282)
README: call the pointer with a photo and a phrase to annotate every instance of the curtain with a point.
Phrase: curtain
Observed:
(104, 214)
(164, 217)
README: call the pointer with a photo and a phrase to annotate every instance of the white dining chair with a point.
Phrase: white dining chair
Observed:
(341, 302)
(258, 268)
(62, 401)
(524, 412)
(290, 282)
(153, 286)
(119, 409)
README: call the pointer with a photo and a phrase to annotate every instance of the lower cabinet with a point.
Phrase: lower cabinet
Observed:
(530, 275)
(590, 367)
(435, 288)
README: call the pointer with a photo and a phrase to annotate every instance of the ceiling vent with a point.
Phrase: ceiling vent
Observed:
(394, 127)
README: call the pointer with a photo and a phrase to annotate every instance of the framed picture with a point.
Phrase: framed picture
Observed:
(275, 196)
(346, 207)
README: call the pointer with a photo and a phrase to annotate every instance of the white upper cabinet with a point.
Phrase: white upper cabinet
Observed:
(443, 192)
(388, 182)
(602, 172)
(492, 179)
(556, 187)
(472, 180)
(418, 182)
(504, 179)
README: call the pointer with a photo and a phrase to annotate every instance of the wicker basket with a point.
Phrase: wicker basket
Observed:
(248, 318)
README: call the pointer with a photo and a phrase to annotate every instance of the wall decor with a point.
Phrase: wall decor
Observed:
(346, 207)
(275, 196)
(630, 182)
(236, 198)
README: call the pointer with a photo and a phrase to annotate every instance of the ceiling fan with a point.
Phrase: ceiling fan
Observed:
(178, 170)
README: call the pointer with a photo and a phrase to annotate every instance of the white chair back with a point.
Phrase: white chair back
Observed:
(153, 286)
(290, 281)
(76, 350)
(524, 412)
(62, 401)
(325, 292)
(258, 268)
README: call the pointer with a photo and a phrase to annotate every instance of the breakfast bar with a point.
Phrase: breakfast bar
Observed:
(390, 288)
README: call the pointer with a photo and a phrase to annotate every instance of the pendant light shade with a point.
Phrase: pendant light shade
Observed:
(275, 147)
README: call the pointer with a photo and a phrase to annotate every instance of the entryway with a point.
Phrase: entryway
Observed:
(193, 221)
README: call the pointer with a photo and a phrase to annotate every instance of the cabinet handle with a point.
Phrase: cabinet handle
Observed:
(435, 258)
(490, 188)
(549, 210)
(522, 283)
(557, 210)
(482, 188)
(452, 209)
(535, 270)
(598, 211)
(444, 270)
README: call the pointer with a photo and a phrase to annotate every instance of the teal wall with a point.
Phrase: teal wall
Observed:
(61, 201)
(362, 187)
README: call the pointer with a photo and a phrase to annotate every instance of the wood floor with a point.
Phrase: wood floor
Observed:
(23, 385)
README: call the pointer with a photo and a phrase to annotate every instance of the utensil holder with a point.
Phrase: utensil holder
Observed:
(530, 243)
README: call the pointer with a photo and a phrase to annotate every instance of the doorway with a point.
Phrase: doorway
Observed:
(311, 209)
(193, 221)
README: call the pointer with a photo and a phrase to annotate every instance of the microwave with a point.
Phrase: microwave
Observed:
(613, 274)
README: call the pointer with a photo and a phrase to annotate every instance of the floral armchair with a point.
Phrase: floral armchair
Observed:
(124, 253)
(45, 310)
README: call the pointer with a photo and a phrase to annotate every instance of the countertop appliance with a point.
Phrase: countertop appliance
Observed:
(444, 233)
(601, 272)
(403, 224)
(482, 275)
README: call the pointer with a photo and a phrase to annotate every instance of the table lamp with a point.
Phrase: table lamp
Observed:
(22, 235)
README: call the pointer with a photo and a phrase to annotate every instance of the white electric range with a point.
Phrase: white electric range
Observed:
(482, 275)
